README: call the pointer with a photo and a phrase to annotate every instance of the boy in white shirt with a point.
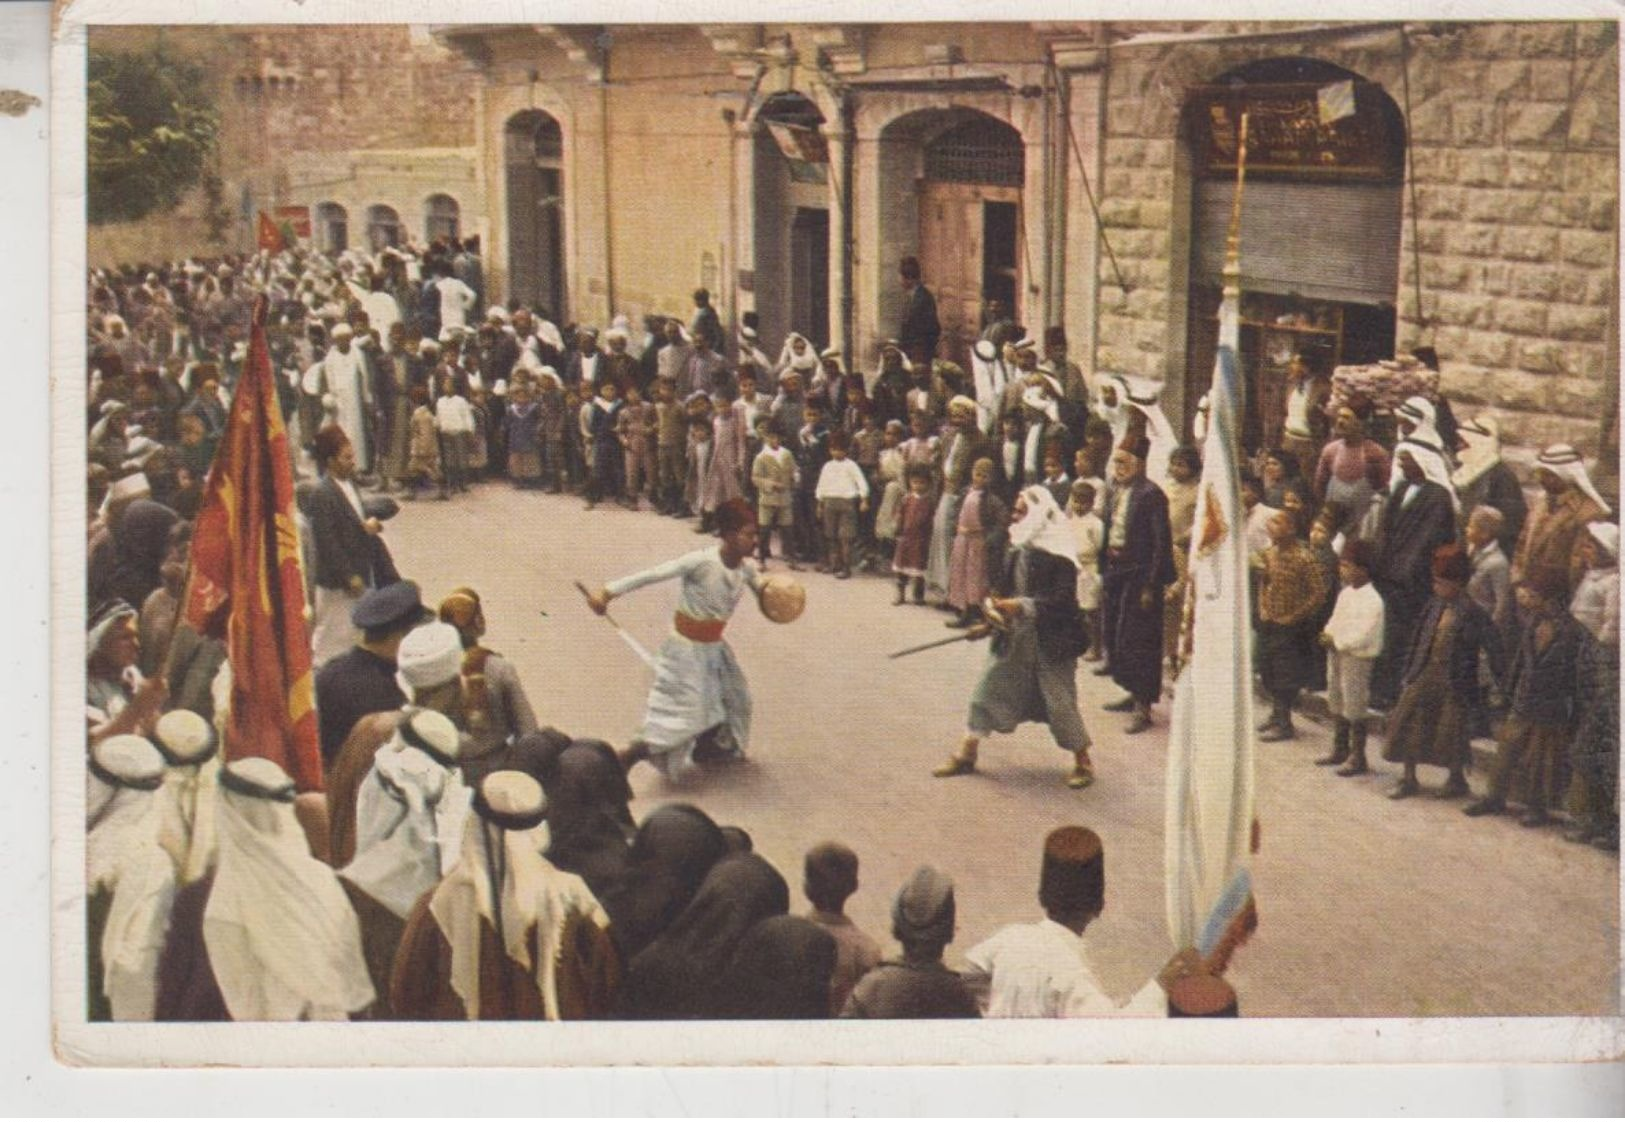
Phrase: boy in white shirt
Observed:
(842, 494)
(1353, 640)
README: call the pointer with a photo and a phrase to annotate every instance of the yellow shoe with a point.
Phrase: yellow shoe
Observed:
(956, 765)
(1082, 776)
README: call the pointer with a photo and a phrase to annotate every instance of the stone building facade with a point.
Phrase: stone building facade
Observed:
(370, 128)
(789, 168)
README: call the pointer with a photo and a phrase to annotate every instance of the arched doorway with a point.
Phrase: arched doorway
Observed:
(1321, 222)
(534, 160)
(332, 228)
(967, 170)
(791, 233)
(383, 227)
(440, 217)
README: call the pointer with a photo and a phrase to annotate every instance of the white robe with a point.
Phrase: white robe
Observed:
(1042, 970)
(345, 375)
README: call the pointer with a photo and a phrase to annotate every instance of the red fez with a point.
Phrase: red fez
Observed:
(1549, 582)
(1073, 880)
(330, 440)
(1358, 551)
(1450, 563)
(1202, 995)
(1137, 445)
(734, 515)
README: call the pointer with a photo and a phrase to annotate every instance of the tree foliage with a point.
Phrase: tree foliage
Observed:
(151, 126)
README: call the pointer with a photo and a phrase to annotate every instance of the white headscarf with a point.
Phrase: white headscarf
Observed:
(1565, 463)
(181, 851)
(531, 893)
(1114, 415)
(803, 363)
(1432, 463)
(283, 940)
(1044, 526)
(408, 809)
(1482, 435)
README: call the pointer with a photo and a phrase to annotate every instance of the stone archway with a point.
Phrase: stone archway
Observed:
(533, 166)
(952, 185)
(790, 235)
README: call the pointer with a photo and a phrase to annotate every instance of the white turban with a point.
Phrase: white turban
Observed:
(1044, 526)
(429, 656)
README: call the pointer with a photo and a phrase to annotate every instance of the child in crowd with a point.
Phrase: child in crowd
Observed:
(552, 428)
(608, 462)
(669, 448)
(524, 454)
(1089, 532)
(914, 533)
(636, 431)
(699, 463)
(843, 495)
(829, 878)
(811, 456)
(978, 538)
(454, 422)
(773, 474)
(889, 482)
(1055, 477)
(423, 451)
(1352, 638)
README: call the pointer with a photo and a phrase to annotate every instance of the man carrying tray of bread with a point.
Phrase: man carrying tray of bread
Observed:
(700, 699)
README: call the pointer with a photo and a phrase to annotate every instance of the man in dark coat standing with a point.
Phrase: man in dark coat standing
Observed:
(1136, 566)
(919, 329)
(1417, 518)
(350, 553)
(362, 680)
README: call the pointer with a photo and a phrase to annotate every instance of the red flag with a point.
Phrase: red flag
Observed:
(270, 237)
(246, 584)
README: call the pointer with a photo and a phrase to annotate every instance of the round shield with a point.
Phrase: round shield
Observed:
(783, 599)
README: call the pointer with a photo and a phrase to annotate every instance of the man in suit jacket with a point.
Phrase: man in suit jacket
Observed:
(1136, 565)
(350, 555)
(1417, 518)
(919, 328)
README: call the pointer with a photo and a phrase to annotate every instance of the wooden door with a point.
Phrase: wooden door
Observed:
(952, 240)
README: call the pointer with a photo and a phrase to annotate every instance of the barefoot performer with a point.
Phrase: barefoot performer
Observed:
(699, 689)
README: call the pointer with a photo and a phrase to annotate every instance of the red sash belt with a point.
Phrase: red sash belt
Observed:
(699, 630)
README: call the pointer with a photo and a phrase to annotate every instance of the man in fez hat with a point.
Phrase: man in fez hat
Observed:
(1137, 564)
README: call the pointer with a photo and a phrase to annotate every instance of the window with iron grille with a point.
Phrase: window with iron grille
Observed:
(981, 151)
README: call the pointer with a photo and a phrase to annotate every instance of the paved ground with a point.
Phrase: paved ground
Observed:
(1369, 907)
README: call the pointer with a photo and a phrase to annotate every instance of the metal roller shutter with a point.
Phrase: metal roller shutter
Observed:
(1315, 240)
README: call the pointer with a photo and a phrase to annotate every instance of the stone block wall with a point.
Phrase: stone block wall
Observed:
(1515, 137)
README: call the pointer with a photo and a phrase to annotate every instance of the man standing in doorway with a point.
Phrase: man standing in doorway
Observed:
(919, 329)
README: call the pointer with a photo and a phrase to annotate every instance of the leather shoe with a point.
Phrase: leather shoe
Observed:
(1453, 790)
(1485, 806)
(1102, 671)
(1139, 724)
(955, 765)
(1080, 778)
(1122, 705)
(1353, 769)
(1278, 732)
(1534, 818)
(1404, 789)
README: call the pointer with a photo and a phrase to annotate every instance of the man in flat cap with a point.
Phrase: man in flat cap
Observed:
(1136, 565)
(362, 679)
(917, 985)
